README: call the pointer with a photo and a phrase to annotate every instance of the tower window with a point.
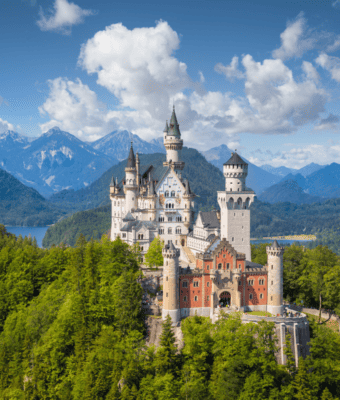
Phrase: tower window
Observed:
(208, 284)
(227, 265)
(185, 284)
(271, 298)
(166, 194)
(261, 281)
(173, 194)
(170, 231)
(167, 279)
(232, 239)
(272, 282)
(272, 266)
(195, 283)
(167, 294)
(240, 283)
(219, 266)
(207, 298)
(185, 298)
(196, 298)
(169, 219)
(250, 296)
(251, 282)
(261, 296)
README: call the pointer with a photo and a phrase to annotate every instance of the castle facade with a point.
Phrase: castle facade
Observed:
(207, 262)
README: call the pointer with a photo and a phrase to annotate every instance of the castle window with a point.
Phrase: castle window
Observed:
(207, 298)
(118, 202)
(178, 231)
(196, 298)
(170, 231)
(272, 283)
(173, 194)
(261, 281)
(227, 265)
(124, 235)
(195, 283)
(167, 279)
(261, 296)
(140, 237)
(167, 294)
(161, 231)
(185, 284)
(271, 298)
(114, 203)
(232, 239)
(141, 248)
(208, 267)
(240, 283)
(170, 219)
(239, 265)
(219, 266)
(250, 296)
(208, 284)
(242, 214)
(251, 282)
(272, 266)
(185, 298)
(166, 194)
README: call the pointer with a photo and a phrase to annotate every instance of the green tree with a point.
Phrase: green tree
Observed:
(302, 383)
(154, 257)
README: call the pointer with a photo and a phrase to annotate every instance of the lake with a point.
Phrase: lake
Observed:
(283, 241)
(35, 231)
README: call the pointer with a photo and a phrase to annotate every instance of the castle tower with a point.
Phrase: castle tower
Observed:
(275, 278)
(152, 197)
(235, 204)
(173, 143)
(130, 187)
(138, 170)
(188, 197)
(171, 283)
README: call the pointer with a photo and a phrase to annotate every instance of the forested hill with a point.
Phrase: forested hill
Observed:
(205, 180)
(24, 206)
(266, 220)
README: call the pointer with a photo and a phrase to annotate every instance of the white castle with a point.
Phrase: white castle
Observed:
(152, 202)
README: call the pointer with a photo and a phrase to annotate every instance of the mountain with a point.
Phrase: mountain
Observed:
(310, 169)
(54, 161)
(258, 179)
(288, 191)
(24, 206)
(279, 171)
(324, 183)
(118, 144)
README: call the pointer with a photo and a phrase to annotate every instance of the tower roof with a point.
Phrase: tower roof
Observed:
(131, 163)
(112, 184)
(151, 186)
(171, 246)
(174, 127)
(235, 159)
(275, 244)
(166, 127)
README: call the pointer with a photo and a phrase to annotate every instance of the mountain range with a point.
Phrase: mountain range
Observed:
(284, 171)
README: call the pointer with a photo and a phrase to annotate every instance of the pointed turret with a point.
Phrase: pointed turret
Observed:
(112, 184)
(166, 127)
(174, 127)
(131, 163)
(151, 191)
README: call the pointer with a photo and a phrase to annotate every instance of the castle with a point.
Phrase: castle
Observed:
(207, 262)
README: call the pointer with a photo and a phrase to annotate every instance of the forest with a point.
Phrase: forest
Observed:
(72, 327)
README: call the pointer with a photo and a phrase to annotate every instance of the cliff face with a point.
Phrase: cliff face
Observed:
(154, 329)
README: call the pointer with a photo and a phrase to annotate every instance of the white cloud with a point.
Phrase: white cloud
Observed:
(63, 16)
(295, 40)
(202, 79)
(310, 71)
(75, 108)
(330, 64)
(298, 157)
(137, 66)
(5, 126)
(230, 71)
(334, 46)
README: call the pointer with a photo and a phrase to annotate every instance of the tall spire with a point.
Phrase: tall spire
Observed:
(151, 186)
(112, 184)
(166, 127)
(174, 127)
(131, 163)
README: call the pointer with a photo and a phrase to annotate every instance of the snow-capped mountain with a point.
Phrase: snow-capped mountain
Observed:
(117, 144)
(54, 161)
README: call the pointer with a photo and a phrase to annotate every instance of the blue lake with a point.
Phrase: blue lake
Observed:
(35, 231)
(283, 241)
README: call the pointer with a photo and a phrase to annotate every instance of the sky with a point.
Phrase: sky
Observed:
(259, 76)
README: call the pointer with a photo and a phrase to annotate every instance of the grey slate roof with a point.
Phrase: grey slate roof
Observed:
(112, 184)
(250, 264)
(131, 163)
(139, 224)
(128, 217)
(209, 219)
(275, 245)
(235, 159)
(166, 127)
(174, 127)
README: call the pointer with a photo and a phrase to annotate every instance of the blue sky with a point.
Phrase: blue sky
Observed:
(262, 77)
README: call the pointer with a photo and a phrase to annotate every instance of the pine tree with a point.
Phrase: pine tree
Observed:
(301, 384)
(290, 362)
(166, 358)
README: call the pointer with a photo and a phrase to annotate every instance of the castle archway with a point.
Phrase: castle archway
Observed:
(225, 299)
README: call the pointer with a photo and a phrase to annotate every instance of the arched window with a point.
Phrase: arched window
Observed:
(250, 296)
(185, 298)
(166, 194)
(114, 203)
(178, 231)
(173, 194)
(261, 296)
(227, 265)
(169, 219)
(196, 298)
(185, 284)
(208, 284)
(170, 231)
(219, 266)
(167, 279)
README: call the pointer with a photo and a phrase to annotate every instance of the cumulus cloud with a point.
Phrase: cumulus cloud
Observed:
(5, 126)
(329, 123)
(74, 107)
(202, 79)
(63, 16)
(334, 46)
(330, 64)
(230, 71)
(295, 40)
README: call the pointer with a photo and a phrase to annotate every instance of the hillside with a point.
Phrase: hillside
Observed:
(23, 206)
(288, 191)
